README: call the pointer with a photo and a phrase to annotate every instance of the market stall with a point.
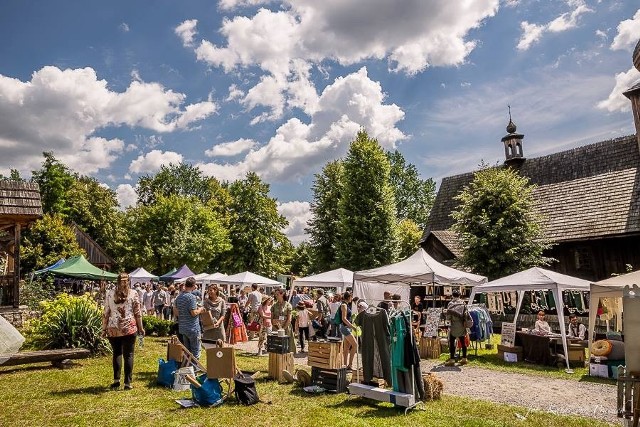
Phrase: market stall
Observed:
(419, 269)
(174, 275)
(339, 278)
(79, 268)
(140, 275)
(536, 278)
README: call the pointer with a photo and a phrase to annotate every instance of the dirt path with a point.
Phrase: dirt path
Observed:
(535, 392)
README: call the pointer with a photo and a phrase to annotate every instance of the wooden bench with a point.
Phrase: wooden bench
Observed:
(56, 357)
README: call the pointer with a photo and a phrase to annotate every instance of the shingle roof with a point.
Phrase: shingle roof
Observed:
(587, 192)
(19, 200)
(449, 240)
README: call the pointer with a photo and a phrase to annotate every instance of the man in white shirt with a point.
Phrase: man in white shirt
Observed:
(576, 329)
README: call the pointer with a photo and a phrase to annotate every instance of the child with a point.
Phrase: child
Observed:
(302, 323)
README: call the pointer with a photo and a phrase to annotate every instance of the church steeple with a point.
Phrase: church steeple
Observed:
(512, 141)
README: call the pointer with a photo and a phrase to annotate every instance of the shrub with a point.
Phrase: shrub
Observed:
(154, 326)
(33, 292)
(68, 322)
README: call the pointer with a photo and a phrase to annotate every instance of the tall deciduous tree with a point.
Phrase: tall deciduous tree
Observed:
(367, 207)
(323, 226)
(409, 234)
(175, 230)
(54, 179)
(256, 230)
(180, 179)
(301, 260)
(414, 196)
(500, 231)
(46, 241)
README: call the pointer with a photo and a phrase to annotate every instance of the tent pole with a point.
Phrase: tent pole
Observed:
(594, 301)
(557, 294)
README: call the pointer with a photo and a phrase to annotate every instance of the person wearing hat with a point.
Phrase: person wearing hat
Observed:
(264, 316)
(302, 324)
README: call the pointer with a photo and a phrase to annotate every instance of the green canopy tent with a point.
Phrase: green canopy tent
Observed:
(80, 268)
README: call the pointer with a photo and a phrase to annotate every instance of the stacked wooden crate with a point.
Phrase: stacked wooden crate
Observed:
(280, 357)
(429, 348)
(325, 354)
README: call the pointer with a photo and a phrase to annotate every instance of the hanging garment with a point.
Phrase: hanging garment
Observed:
(376, 345)
(398, 335)
(236, 331)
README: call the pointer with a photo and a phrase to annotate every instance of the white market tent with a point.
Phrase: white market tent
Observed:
(340, 278)
(212, 278)
(419, 269)
(199, 278)
(247, 278)
(141, 275)
(612, 287)
(535, 279)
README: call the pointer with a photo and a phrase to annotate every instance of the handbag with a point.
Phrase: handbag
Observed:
(237, 320)
(253, 326)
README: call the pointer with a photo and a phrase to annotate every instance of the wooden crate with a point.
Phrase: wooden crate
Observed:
(330, 379)
(279, 345)
(279, 363)
(429, 348)
(324, 354)
(502, 349)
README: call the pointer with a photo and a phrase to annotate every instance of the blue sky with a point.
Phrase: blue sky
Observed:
(116, 89)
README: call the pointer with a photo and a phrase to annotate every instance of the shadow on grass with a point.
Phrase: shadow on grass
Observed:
(95, 390)
(597, 380)
(374, 409)
(27, 368)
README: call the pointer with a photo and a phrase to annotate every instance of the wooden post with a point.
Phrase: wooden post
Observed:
(16, 272)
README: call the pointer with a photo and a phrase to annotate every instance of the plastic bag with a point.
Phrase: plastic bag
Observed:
(209, 393)
(165, 372)
(10, 339)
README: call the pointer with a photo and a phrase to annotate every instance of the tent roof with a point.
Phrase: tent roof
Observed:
(54, 265)
(213, 277)
(79, 267)
(613, 286)
(337, 278)
(535, 278)
(247, 278)
(183, 271)
(141, 273)
(198, 277)
(419, 268)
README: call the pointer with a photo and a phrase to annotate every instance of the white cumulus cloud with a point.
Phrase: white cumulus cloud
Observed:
(616, 100)
(229, 149)
(61, 110)
(351, 103)
(532, 33)
(628, 33)
(153, 160)
(126, 195)
(187, 31)
(298, 214)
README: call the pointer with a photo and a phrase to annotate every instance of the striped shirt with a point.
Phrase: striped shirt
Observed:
(187, 323)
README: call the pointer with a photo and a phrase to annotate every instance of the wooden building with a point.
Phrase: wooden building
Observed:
(589, 195)
(20, 205)
(96, 255)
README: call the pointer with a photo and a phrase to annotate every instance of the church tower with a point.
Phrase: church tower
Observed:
(633, 93)
(514, 156)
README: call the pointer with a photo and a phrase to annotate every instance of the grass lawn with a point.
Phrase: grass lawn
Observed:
(37, 395)
(489, 359)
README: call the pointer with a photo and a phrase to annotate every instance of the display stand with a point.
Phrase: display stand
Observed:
(629, 395)
(187, 359)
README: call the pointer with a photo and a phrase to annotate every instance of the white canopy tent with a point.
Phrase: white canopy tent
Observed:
(213, 278)
(419, 269)
(535, 279)
(247, 278)
(140, 275)
(199, 278)
(339, 278)
(612, 287)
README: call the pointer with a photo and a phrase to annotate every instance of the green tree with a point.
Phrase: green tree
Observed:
(500, 231)
(301, 260)
(414, 196)
(54, 179)
(14, 175)
(95, 211)
(180, 179)
(256, 230)
(409, 234)
(323, 226)
(46, 241)
(175, 230)
(367, 208)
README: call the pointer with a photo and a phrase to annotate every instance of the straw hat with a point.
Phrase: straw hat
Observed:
(301, 306)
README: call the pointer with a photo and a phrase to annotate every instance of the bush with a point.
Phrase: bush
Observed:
(33, 292)
(68, 322)
(154, 326)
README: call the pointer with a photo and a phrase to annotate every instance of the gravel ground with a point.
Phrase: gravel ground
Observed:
(535, 392)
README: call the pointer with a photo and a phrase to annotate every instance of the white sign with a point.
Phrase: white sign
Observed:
(508, 334)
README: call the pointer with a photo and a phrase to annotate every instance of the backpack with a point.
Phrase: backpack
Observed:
(245, 389)
(337, 318)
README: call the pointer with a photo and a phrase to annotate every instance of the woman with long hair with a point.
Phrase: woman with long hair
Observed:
(121, 322)
(349, 343)
(216, 306)
(264, 314)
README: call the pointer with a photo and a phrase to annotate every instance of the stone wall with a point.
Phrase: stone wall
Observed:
(17, 316)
